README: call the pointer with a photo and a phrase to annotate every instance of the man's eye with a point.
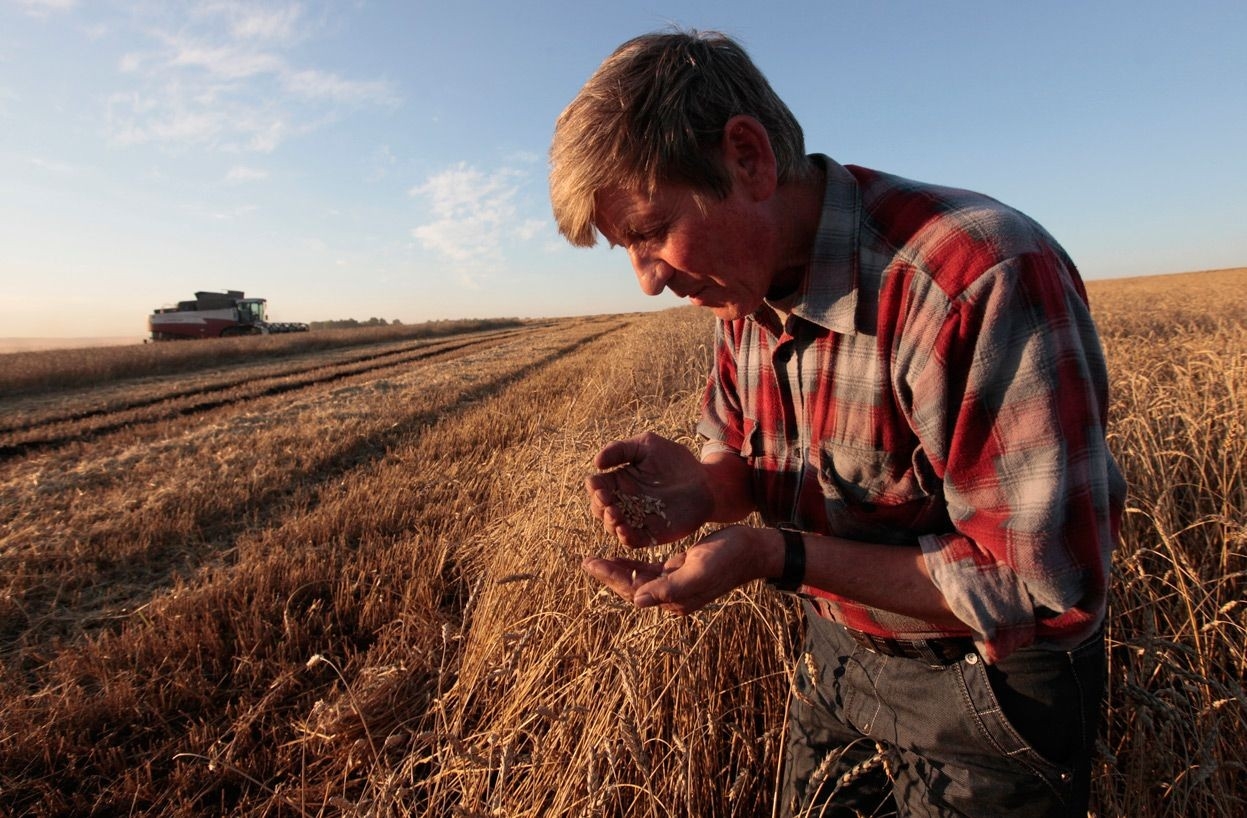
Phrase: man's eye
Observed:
(636, 237)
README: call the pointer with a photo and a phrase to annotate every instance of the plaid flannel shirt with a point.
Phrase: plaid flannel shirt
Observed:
(937, 383)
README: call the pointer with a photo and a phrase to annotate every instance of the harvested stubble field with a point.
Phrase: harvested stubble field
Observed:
(333, 584)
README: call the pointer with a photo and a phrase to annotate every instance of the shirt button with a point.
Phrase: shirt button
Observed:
(972, 658)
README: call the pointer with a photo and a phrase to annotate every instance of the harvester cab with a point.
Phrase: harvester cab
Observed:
(252, 311)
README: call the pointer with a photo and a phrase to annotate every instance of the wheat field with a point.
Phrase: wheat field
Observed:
(344, 581)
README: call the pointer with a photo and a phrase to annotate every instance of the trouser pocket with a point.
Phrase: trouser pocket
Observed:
(1040, 709)
(1052, 699)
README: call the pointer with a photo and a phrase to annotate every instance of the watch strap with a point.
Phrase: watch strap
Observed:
(794, 562)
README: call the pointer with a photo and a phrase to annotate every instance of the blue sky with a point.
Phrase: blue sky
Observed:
(359, 159)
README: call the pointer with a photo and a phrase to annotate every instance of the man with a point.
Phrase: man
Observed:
(909, 388)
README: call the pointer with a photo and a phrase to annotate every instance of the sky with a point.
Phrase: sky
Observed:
(388, 159)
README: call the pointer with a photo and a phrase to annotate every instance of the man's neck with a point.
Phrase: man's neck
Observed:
(785, 284)
(800, 212)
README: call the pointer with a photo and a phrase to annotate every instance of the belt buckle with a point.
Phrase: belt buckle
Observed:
(931, 651)
(866, 640)
(943, 652)
(876, 644)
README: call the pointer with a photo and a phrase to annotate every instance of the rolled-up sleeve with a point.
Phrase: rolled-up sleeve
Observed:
(1009, 399)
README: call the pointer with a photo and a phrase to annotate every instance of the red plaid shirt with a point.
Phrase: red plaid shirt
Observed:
(938, 383)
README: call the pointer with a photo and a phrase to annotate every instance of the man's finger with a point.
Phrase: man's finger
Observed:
(600, 485)
(623, 576)
(619, 570)
(609, 574)
(617, 453)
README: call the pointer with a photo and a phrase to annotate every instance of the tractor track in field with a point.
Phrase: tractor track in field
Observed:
(53, 428)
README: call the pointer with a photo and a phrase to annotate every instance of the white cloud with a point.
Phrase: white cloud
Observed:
(241, 173)
(251, 23)
(469, 281)
(313, 84)
(52, 165)
(226, 78)
(474, 212)
(235, 213)
(275, 22)
(382, 161)
(42, 8)
(136, 119)
(228, 61)
(476, 217)
(266, 137)
(97, 31)
(530, 229)
(130, 63)
(187, 126)
(526, 158)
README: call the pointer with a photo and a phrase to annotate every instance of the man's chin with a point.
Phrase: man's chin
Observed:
(729, 312)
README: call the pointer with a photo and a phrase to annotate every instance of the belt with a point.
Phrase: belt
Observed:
(943, 651)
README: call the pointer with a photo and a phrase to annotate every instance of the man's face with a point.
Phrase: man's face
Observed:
(716, 257)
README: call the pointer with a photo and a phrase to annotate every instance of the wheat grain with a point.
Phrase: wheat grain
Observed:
(636, 507)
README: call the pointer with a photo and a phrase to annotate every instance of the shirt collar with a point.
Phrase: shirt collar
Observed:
(828, 295)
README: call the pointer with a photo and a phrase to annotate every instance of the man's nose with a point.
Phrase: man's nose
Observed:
(652, 274)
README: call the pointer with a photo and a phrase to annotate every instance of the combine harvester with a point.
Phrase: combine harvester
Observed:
(216, 315)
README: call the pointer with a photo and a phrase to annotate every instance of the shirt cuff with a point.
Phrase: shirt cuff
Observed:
(716, 447)
(986, 595)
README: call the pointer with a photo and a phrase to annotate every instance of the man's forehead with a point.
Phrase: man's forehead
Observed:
(618, 199)
(618, 207)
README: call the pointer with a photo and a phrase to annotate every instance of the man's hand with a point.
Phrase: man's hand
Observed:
(651, 491)
(688, 581)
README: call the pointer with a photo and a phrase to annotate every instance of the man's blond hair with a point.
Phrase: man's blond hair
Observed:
(653, 113)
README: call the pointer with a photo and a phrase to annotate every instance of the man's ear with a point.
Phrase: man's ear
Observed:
(748, 157)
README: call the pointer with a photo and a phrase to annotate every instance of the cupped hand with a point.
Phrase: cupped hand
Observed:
(689, 580)
(651, 490)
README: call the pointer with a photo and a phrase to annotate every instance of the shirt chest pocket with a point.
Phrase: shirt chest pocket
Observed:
(880, 495)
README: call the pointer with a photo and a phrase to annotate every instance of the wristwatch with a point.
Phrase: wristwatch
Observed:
(794, 561)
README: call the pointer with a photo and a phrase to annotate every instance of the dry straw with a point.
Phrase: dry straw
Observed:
(164, 592)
